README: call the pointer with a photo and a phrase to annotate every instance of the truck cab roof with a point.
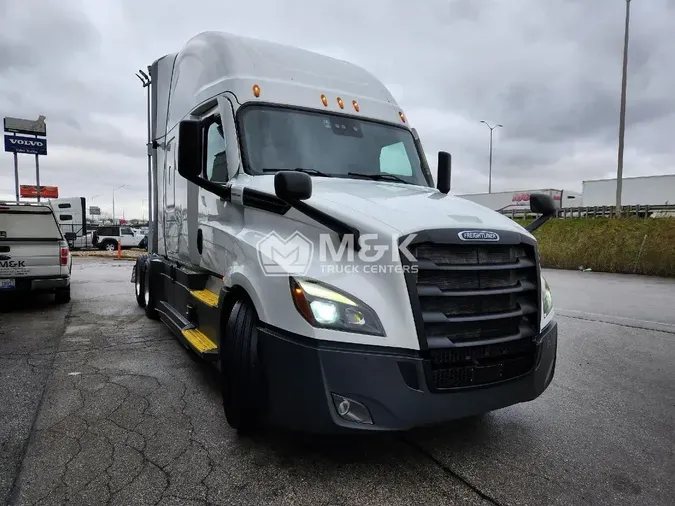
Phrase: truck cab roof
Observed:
(212, 63)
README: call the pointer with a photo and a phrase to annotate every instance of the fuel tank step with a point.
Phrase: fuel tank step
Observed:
(206, 297)
(199, 341)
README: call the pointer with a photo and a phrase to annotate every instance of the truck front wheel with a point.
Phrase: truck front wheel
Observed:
(241, 373)
(149, 292)
(139, 281)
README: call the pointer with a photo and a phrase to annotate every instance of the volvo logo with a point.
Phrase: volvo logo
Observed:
(478, 235)
(27, 142)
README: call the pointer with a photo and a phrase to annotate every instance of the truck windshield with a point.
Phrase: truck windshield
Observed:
(277, 138)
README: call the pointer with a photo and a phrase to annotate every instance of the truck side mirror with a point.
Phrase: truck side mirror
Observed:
(292, 186)
(190, 149)
(540, 204)
(444, 172)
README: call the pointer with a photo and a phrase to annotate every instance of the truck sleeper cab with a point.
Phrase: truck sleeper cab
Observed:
(310, 156)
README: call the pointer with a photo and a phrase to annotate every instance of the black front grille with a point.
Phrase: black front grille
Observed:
(479, 310)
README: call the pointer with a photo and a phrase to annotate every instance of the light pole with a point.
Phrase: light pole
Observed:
(117, 188)
(622, 113)
(490, 175)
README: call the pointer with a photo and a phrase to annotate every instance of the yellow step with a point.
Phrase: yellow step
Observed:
(206, 297)
(199, 341)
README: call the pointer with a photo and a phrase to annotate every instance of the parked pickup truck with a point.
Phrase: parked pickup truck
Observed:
(34, 255)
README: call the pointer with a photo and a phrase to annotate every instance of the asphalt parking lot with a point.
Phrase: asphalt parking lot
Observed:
(100, 405)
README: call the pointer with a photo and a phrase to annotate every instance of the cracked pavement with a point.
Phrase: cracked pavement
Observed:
(101, 406)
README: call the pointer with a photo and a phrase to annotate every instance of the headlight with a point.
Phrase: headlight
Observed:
(547, 300)
(327, 307)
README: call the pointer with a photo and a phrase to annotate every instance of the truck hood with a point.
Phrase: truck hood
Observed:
(394, 207)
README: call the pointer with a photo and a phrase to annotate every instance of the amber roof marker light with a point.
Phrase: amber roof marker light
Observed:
(340, 103)
(356, 105)
(324, 100)
(256, 90)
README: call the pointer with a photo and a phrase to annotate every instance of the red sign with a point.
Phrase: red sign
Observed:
(30, 191)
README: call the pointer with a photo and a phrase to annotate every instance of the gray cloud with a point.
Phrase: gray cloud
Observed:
(549, 71)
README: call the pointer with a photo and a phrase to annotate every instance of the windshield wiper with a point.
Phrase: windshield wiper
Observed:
(382, 176)
(300, 169)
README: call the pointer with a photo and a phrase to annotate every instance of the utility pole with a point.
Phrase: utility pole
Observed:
(622, 113)
(490, 174)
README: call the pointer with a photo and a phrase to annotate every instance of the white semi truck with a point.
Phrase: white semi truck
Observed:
(71, 215)
(275, 173)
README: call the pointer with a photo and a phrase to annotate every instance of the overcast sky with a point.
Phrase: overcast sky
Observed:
(549, 71)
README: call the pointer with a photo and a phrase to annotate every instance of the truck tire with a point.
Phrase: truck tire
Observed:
(139, 283)
(241, 372)
(62, 295)
(149, 292)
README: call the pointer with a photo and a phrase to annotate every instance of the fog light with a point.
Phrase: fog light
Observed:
(351, 410)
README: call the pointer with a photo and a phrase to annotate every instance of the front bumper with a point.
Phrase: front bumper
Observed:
(302, 375)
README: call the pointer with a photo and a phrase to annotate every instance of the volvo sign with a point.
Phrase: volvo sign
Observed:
(28, 145)
(17, 142)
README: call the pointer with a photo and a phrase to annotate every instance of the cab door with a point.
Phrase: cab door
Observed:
(170, 222)
(215, 216)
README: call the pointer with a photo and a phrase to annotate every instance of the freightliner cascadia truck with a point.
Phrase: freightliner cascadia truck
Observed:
(299, 243)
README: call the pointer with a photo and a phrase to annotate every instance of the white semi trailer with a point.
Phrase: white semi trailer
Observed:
(275, 172)
(635, 191)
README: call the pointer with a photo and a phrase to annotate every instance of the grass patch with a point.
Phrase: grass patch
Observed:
(626, 245)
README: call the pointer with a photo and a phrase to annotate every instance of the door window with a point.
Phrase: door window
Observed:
(169, 179)
(216, 161)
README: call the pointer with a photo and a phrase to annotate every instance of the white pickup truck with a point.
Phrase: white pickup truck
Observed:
(34, 255)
